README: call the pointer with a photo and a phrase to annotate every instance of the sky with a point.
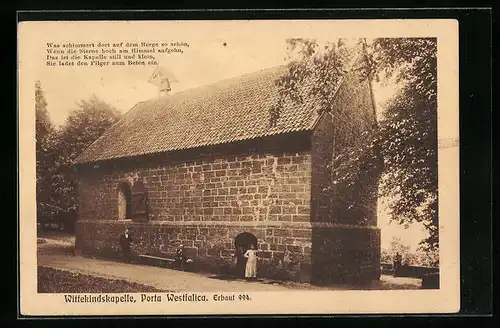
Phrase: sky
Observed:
(206, 60)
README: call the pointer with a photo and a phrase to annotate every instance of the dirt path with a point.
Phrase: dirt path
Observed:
(58, 254)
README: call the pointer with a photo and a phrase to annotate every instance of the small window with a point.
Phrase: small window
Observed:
(132, 202)
(124, 201)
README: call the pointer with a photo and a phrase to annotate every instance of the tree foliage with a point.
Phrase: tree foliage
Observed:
(45, 147)
(321, 69)
(409, 132)
(409, 257)
(59, 147)
(84, 125)
(406, 136)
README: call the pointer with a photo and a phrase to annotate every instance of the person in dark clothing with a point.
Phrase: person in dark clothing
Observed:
(397, 264)
(125, 241)
(180, 257)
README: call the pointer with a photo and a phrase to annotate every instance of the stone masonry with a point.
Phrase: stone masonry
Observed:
(204, 204)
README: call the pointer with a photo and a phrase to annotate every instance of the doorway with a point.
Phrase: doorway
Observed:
(242, 243)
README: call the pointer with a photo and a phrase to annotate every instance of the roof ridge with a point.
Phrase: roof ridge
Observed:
(229, 110)
(227, 79)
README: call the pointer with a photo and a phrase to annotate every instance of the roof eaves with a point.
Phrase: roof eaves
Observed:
(78, 160)
(248, 138)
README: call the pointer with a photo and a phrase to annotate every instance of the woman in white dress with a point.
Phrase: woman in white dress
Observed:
(251, 267)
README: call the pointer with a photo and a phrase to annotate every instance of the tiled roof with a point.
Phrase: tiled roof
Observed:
(227, 111)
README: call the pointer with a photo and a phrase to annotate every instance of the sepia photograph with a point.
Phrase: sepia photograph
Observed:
(208, 167)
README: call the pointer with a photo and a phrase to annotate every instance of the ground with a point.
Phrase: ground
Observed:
(56, 251)
(60, 281)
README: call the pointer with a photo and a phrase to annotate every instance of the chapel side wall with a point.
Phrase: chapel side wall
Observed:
(203, 200)
(352, 114)
(252, 185)
(346, 240)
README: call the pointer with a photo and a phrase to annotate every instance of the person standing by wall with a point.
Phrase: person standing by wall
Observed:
(251, 266)
(180, 257)
(125, 242)
(397, 264)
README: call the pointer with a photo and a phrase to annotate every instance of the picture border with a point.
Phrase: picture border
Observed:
(470, 153)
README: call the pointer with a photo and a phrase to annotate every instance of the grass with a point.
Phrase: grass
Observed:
(59, 281)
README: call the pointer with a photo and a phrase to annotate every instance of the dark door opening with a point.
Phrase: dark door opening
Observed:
(242, 243)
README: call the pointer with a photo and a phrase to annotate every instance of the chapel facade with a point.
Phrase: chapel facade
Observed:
(205, 169)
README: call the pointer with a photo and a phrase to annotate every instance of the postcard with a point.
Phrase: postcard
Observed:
(238, 167)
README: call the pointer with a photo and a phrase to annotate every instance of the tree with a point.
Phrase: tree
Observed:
(45, 145)
(397, 246)
(408, 133)
(406, 137)
(409, 257)
(83, 126)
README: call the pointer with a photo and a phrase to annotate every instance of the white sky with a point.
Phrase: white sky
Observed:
(206, 61)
